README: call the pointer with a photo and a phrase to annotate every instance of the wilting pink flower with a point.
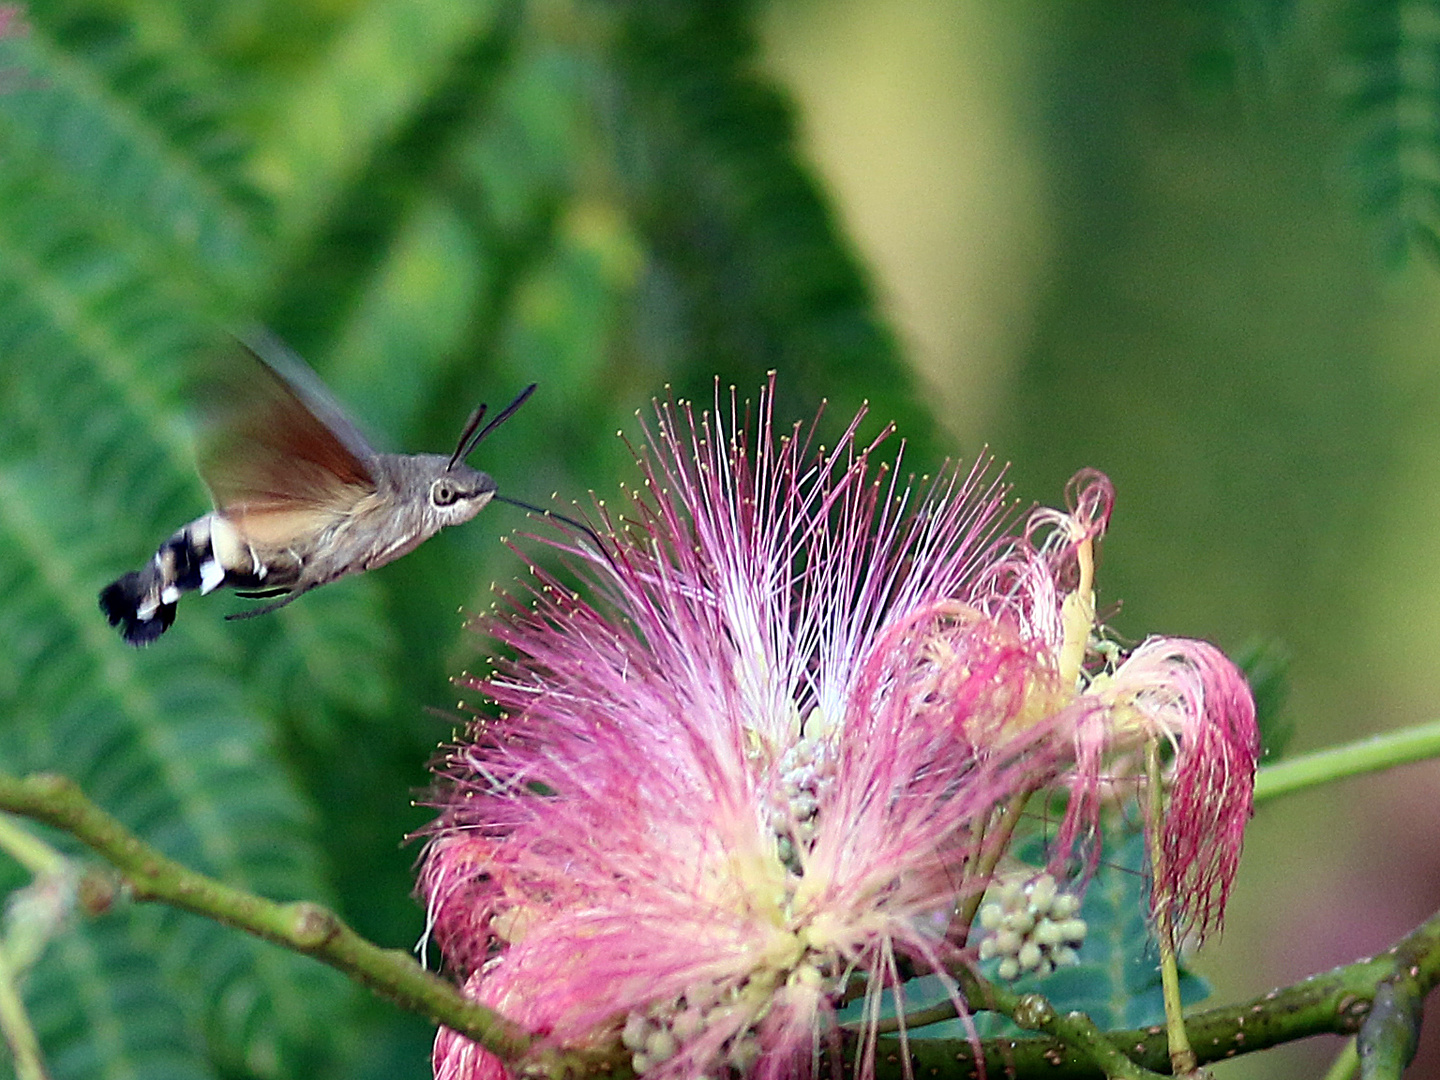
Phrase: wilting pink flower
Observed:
(761, 761)
(1182, 692)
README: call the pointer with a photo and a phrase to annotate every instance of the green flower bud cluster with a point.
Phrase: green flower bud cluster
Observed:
(807, 773)
(1033, 926)
(656, 1036)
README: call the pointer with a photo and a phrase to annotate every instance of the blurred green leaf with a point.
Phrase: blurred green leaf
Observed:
(1266, 665)
(103, 1008)
(749, 272)
(1388, 81)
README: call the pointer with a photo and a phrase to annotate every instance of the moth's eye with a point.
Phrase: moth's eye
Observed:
(443, 493)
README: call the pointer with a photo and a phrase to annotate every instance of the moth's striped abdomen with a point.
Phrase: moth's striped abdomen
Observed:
(142, 602)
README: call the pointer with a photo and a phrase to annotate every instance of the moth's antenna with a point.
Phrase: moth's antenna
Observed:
(504, 415)
(470, 426)
(586, 529)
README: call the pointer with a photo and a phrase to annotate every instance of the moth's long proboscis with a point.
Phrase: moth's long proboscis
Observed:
(586, 529)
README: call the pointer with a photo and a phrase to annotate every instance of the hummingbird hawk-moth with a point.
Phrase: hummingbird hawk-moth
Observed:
(300, 498)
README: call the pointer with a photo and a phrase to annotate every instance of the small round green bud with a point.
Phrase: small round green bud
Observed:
(661, 1045)
(1033, 1012)
(635, 1031)
(1047, 934)
(1029, 956)
(1064, 906)
(1042, 892)
(1011, 895)
(1020, 921)
(1065, 956)
(744, 1052)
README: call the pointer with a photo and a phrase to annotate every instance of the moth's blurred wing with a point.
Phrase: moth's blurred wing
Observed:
(298, 377)
(278, 445)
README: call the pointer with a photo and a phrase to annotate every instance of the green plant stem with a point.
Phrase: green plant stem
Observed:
(1074, 1029)
(15, 1024)
(1362, 756)
(987, 857)
(1346, 1063)
(29, 851)
(303, 927)
(1336, 1002)
(41, 860)
(1391, 1033)
(1182, 1057)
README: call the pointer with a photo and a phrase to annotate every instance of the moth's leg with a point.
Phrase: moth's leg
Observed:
(250, 613)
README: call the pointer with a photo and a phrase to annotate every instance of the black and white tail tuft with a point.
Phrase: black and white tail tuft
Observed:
(142, 603)
(129, 604)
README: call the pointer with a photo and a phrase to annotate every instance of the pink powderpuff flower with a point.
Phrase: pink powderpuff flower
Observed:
(757, 771)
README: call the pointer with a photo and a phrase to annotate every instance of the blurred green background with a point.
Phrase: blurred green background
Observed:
(1188, 243)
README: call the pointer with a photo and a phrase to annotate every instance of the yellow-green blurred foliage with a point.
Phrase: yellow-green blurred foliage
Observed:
(1128, 236)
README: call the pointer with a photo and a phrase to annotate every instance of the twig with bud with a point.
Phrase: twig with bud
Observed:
(1033, 1012)
(1335, 1002)
(303, 927)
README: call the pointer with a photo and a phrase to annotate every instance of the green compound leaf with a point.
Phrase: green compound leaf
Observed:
(135, 141)
(102, 1007)
(1389, 85)
(750, 272)
(95, 469)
